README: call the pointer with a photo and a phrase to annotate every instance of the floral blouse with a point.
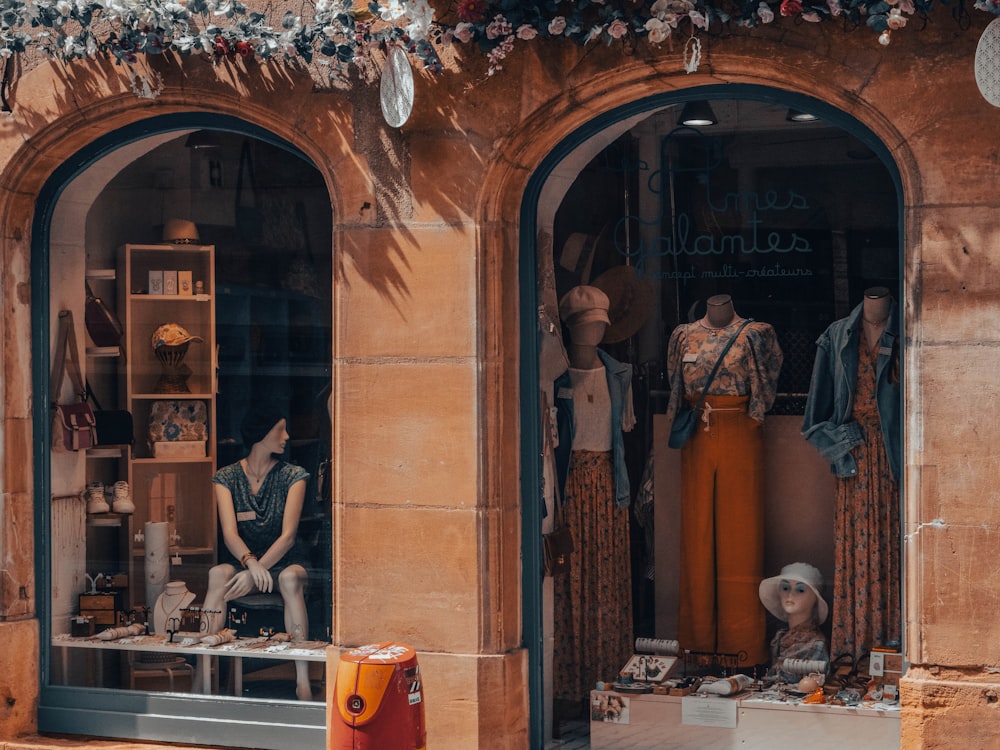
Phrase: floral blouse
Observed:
(750, 368)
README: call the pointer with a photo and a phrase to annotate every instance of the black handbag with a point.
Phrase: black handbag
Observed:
(686, 419)
(114, 426)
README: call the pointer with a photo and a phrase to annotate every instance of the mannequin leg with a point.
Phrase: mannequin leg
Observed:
(213, 617)
(292, 585)
(215, 601)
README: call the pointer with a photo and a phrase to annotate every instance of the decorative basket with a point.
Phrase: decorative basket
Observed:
(175, 373)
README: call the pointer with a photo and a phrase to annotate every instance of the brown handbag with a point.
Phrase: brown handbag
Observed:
(74, 427)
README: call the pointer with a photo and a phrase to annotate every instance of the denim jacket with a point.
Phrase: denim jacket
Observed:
(619, 377)
(828, 425)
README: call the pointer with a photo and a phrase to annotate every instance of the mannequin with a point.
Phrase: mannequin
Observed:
(793, 596)
(722, 480)
(259, 501)
(167, 610)
(592, 602)
(852, 419)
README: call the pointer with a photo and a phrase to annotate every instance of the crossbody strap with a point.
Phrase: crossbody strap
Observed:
(718, 363)
(66, 345)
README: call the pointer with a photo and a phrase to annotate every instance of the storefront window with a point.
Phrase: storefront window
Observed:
(191, 273)
(668, 239)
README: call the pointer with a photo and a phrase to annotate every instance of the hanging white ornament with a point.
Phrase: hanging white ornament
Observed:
(988, 63)
(692, 54)
(396, 88)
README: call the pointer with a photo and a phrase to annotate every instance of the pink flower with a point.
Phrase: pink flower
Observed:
(617, 29)
(526, 31)
(498, 27)
(557, 25)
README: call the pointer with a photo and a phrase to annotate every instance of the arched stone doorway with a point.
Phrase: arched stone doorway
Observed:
(270, 337)
(760, 135)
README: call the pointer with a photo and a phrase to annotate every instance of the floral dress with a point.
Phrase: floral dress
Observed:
(866, 582)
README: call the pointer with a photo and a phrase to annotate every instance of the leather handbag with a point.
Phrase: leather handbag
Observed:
(686, 418)
(74, 427)
(114, 426)
(102, 324)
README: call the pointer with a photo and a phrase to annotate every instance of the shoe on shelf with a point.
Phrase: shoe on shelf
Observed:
(122, 499)
(96, 501)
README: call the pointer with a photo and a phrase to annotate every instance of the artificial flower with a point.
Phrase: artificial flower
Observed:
(557, 25)
(765, 13)
(617, 29)
(526, 32)
(472, 11)
(790, 7)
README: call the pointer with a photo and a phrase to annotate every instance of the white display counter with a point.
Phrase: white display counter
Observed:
(661, 722)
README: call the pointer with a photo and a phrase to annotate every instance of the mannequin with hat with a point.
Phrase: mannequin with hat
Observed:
(793, 597)
(593, 600)
(259, 501)
(722, 477)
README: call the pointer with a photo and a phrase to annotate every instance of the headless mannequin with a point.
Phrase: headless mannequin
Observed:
(584, 338)
(167, 610)
(875, 313)
(720, 312)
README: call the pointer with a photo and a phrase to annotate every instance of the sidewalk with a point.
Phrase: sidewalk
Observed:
(575, 736)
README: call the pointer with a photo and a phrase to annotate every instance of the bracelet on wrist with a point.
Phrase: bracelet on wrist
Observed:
(248, 556)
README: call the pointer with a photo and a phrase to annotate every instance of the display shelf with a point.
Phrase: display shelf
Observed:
(176, 490)
(103, 351)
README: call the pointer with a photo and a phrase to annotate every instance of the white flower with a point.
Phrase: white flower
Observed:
(896, 19)
(657, 31)
(698, 20)
(811, 16)
(498, 27)
(907, 7)
(835, 8)
(557, 25)
(765, 13)
(64, 7)
(463, 32)
(659, 7)
(392, 10)
(884, 38)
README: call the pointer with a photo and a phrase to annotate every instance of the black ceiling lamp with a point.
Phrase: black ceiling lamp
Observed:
(203, 139)
(698, 114)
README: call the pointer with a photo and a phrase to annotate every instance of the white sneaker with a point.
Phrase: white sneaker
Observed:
(123, 499)
(96, 502)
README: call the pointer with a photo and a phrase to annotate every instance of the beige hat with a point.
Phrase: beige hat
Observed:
(770, 589)
(171, 334)
(584, 304)
(180, 232)
(631, 302)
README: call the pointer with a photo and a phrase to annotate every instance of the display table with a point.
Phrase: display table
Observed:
(655, 722)
(186, 644)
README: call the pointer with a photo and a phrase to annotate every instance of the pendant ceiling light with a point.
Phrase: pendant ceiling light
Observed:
(698, 114)
(795, 115)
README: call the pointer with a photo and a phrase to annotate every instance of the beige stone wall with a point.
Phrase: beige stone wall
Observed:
(426, 220)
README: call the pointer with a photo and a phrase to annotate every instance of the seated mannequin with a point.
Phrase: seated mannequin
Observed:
(793, 596)
(259, 501)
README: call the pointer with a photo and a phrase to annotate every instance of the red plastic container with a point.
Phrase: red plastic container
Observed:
(378, 700)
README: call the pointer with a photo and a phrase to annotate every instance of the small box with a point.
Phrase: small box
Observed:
(170, 282)
(156, 282)
(81, 626)
(100, 602)
(118, 580)
(185, 284)
(180, 449)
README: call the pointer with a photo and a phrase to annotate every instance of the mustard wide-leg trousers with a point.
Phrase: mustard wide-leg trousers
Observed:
(722, 534)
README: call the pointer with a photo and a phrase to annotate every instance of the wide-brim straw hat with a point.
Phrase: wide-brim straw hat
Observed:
(770, 589)
(631, 302)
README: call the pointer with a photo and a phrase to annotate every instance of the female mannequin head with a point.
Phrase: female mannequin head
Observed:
(793, 595)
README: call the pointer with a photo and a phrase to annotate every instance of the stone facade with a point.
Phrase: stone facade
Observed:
(426, 238)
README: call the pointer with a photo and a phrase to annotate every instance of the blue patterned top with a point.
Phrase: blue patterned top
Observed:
(268, 508)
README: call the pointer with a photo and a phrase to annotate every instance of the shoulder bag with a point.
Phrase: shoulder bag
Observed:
(686, 419)
(74, 426)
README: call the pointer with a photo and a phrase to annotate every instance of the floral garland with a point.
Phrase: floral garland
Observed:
(341, 33)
